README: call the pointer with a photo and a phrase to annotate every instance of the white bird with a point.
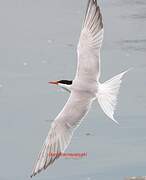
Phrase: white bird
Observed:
(84, 89)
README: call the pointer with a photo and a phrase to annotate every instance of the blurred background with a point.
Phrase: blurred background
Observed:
(38, 40)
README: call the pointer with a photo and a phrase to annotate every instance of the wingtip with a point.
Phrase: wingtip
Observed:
(31, 176)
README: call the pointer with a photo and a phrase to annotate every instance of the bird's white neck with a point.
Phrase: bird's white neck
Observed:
(66, 87)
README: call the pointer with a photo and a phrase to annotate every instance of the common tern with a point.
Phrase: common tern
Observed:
(84, 89)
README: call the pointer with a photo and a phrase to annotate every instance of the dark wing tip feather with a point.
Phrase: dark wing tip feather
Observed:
(92, 4)
(49, 159)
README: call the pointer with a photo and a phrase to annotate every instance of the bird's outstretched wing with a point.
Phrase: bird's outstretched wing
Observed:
(78, 104)
(62, 130)
(89, 45)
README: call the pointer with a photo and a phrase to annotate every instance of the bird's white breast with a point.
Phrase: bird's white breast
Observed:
(90, 87)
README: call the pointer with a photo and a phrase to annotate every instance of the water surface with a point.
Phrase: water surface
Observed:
(37, 44)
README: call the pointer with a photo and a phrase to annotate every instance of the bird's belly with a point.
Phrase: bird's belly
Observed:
(88, 87)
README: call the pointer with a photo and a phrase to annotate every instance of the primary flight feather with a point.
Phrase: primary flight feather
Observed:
(84, 89)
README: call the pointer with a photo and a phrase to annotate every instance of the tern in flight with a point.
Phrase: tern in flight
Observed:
(84, 89)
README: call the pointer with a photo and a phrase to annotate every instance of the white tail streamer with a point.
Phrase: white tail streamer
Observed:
(107, 95)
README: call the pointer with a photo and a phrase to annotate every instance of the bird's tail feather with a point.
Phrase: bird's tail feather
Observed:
(107, 94)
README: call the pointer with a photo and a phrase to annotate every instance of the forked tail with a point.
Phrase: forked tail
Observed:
(107, 94)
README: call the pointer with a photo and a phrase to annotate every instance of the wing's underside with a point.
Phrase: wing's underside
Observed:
(90, 43)
(56, 142)
(78, 104)
(61, 130)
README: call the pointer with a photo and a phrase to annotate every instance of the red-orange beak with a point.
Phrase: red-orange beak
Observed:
(53, 82)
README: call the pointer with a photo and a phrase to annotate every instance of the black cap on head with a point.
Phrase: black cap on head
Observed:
(68, 82)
